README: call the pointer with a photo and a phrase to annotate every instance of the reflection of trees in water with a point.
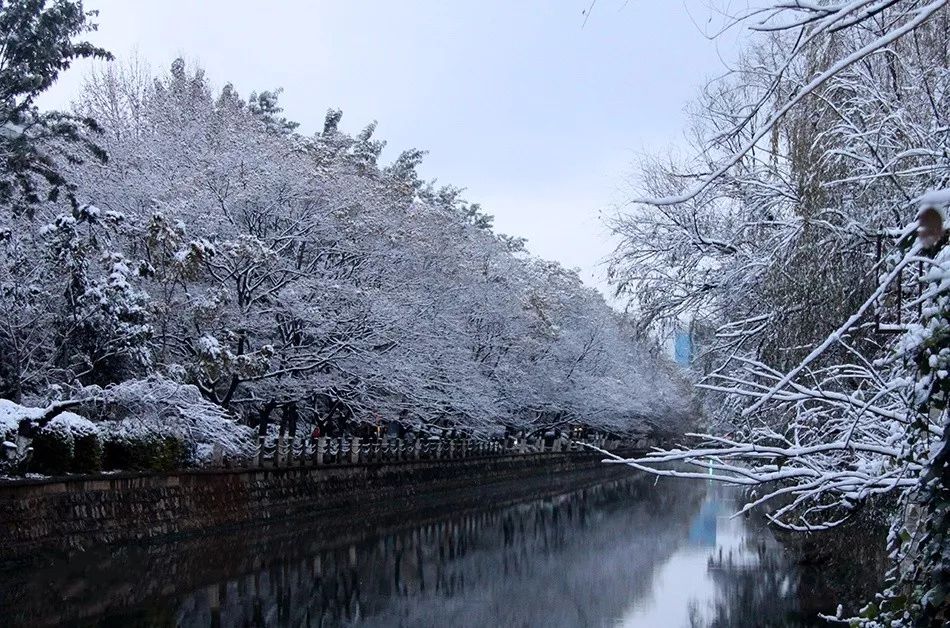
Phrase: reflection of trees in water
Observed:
(571, 560)
(135, 583)
(765, 583)
(756, 590)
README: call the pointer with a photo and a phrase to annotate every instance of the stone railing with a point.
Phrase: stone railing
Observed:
(306, 451)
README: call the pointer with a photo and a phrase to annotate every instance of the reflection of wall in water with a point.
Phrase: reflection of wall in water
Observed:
(522, 558)
(572, 560)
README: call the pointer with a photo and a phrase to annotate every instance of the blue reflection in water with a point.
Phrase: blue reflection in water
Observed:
(702, 530)
(691, 587)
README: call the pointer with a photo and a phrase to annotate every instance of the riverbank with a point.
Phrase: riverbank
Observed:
(80, 512)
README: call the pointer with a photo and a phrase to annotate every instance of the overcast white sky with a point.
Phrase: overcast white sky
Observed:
(536, 114)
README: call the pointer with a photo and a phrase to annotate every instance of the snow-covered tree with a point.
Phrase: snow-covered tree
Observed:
(283, 278)
(55, 290)
(296, 278)
(39, 42)
(824, 142)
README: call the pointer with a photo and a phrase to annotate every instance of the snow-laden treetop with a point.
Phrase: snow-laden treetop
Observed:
(216, 247)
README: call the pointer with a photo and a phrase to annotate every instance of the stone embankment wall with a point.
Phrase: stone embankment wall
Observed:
(78, 512)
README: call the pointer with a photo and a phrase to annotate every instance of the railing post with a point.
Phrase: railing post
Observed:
(355, 450)
(321, 442)
(278, 449)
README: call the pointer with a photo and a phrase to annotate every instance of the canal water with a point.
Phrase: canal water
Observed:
(615, 550)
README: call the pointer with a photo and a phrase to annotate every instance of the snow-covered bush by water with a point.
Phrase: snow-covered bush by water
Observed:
(68, 442)
(157, 408)
(65, 442)
(152, 423)
(10, 416)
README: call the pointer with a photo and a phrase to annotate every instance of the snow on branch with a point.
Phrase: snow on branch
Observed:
(835, 19)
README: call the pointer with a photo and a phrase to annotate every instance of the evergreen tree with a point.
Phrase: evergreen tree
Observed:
(39, 43)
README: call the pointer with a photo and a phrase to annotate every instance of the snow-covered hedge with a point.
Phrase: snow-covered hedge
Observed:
(11, 414)
(153, 423)
(160, 410)
(70, 425)
(67, 443)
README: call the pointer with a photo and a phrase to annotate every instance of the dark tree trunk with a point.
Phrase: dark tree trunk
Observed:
(289, 420)
(265, 416)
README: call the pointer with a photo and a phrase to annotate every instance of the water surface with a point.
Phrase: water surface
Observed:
(595, 550)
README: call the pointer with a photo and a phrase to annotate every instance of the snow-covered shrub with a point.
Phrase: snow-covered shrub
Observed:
(67, 443)
(153, 423)
(125, 452)
(159, 423)
(10, 416)
(87, 443)
(16, 451)
(52, 452)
